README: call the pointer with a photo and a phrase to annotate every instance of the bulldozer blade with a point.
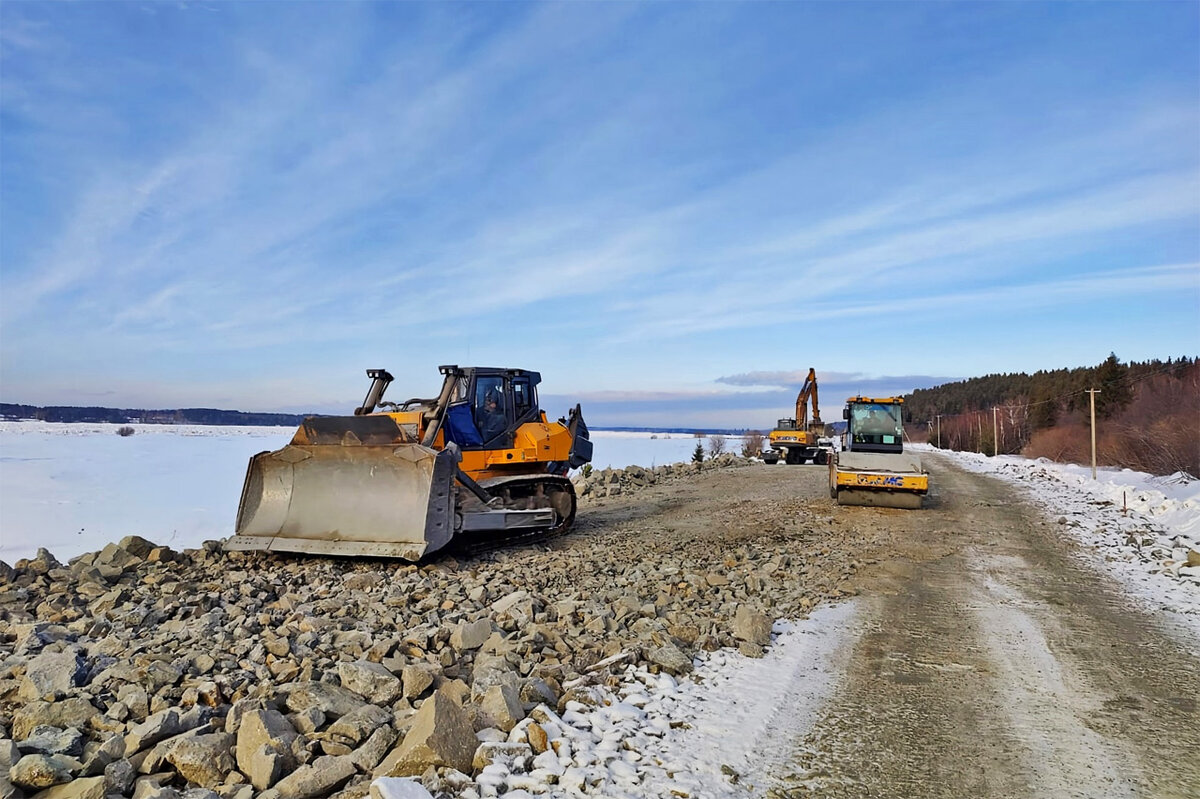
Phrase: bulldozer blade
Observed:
(395, 500)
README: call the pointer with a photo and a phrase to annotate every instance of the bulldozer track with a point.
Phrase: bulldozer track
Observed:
(477, 543)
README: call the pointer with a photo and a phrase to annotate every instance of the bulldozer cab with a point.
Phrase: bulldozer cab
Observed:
(487, 406)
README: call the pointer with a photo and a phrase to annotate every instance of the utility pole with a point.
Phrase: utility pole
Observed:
(939, 421)
(995, 435)
(1092, 392)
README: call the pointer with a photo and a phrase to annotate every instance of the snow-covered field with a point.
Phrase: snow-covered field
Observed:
(72, 488)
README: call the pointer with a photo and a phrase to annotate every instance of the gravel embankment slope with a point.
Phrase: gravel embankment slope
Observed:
(140, 670)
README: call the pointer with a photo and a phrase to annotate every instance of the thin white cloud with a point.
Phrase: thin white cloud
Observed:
(899, 262)
(792, 378)
(519, 182)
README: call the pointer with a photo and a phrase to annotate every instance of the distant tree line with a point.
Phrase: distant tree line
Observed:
(1147, 414)
(201, 416)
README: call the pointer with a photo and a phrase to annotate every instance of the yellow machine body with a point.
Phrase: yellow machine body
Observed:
(404, 483)
(872, 467)
(798, 439)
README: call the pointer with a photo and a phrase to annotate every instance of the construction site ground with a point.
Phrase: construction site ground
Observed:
(986, 658)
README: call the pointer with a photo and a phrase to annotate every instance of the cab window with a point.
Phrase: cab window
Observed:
(488, 402)
(523, 400)
(879, 423)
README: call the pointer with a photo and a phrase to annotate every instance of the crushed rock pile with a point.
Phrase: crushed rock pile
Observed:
(142, 672)
(602, 483)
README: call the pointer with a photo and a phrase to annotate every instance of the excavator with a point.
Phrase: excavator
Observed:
(796, 439)
(872, 467)
(480, 464)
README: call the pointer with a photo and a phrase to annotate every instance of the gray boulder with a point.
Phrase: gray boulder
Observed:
(416, 678)
(52, 675)
(752, 626)
(85, 788)
(332, 700)
(502, 706)
(203, 759)
(374, 749)
(370, 680)
(52, 741)
(355, 727)
(323, 776)
(159, 727)
(38, 771)
(264, 747)
(441, 735)
(471, 635)
(670, 658)
(72, 712)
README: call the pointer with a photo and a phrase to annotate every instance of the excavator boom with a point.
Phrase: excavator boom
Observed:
(807, 396)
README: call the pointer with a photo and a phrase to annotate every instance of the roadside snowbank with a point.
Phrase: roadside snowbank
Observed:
(720, 733)
(1141, 527)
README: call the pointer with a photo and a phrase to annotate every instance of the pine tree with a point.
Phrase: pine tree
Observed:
(1112, 378)
(698, 453)
(1043, 412)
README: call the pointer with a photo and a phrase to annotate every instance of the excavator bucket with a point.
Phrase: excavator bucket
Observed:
(348, 486)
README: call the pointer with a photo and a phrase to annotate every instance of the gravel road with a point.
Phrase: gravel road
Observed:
(989, 661)
(985, 657)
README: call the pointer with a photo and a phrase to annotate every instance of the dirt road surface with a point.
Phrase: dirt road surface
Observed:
(986, 658)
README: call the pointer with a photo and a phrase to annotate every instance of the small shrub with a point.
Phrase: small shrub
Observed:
(716, 445)
(698, 453)
(125, 431)
(1066, 443)
(587, 470)
(752, 444)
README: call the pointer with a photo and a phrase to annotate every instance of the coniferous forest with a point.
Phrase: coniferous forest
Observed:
(1147, 414)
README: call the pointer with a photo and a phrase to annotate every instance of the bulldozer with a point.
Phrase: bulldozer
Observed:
(796, 439)
(872, 467)
(480, 464)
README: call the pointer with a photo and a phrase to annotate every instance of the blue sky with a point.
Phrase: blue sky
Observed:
(671, 210)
